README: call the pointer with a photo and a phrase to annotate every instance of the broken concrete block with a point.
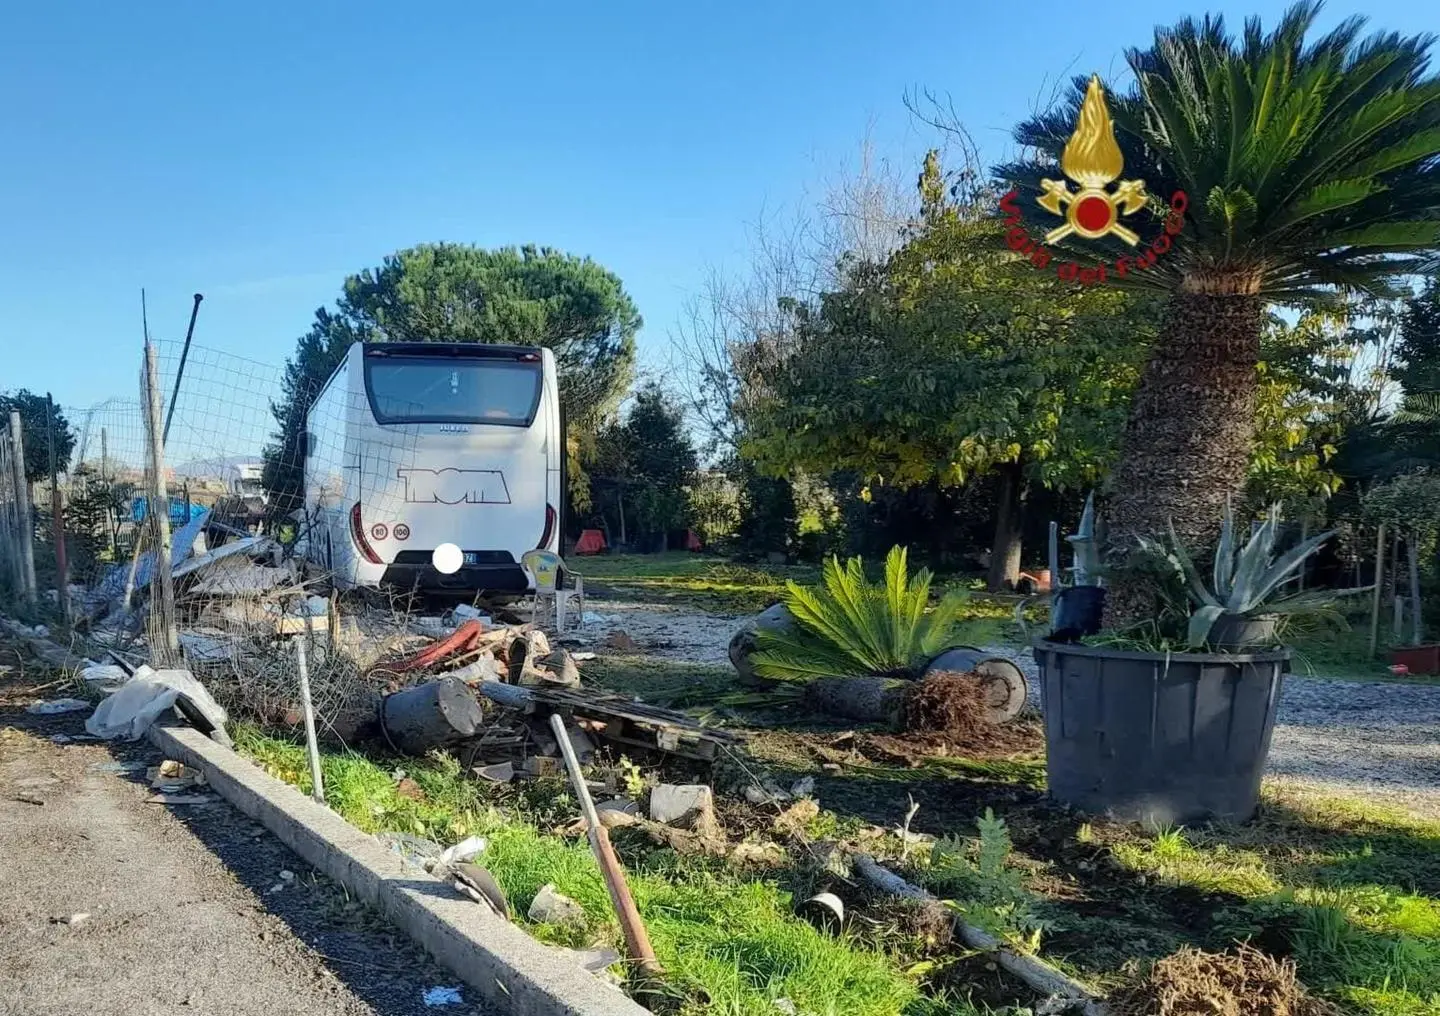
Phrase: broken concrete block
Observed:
(551, 907)
(687, 806)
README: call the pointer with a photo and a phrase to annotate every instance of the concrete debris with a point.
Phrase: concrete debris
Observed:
(170, 776)
(803, 787)
(57, 706)
(552, 907)
(560, 669)
(686, 806)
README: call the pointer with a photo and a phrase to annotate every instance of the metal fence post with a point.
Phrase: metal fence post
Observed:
(26, 532)
(162, 589)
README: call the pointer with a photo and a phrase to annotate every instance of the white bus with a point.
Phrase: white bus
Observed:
(413, 445)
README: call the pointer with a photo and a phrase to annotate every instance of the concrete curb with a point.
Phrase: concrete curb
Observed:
(509, 969)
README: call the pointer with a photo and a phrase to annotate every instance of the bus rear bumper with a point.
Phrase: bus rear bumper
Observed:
(481, 578)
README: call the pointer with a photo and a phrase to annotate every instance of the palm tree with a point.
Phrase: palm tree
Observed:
(1310, 171)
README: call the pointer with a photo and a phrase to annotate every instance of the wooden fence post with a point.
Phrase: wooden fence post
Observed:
(162, 586)
(1379, 590)
(26, 532)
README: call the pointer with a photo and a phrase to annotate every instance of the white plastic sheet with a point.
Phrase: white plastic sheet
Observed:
(128, 713)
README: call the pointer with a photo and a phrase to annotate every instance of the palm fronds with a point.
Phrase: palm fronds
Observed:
(848, 627)
(1307, 166)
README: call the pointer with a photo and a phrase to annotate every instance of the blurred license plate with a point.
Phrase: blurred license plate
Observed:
(472, 557)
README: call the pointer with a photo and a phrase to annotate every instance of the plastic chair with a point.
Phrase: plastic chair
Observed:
(549, 571)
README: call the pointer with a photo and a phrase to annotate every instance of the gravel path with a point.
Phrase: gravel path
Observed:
(1371, 739)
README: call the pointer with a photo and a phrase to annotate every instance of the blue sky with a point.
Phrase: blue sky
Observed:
(259, 152)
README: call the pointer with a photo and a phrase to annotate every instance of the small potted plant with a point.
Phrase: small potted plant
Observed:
(1076, 609)
(1241, 608)
(1152, 734)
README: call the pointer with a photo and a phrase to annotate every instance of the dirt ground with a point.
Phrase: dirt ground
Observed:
(190, 908)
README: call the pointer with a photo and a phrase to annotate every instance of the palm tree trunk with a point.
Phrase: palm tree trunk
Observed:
(1187, 441)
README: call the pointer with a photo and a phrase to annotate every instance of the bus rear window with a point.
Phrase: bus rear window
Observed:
(449, 390)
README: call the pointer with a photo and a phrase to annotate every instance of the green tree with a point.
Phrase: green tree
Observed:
(645, 465)
(1419, 347)
(35, 422)
(1308, 168)
(950, 361)
(446, 292)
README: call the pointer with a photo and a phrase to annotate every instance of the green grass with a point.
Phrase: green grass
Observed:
(697, 579)
(729, 943)
(1353, 886)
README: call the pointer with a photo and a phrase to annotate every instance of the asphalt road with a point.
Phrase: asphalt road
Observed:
(190, 908)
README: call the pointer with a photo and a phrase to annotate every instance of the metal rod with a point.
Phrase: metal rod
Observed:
(312, 744)
(180, 371)
(1379, 589)
(637, 940)
(22, 508)
(57, 515)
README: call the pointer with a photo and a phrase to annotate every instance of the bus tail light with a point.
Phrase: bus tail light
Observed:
(357, 533)
(549, 528)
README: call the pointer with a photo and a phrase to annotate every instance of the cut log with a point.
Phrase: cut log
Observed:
(870, 699)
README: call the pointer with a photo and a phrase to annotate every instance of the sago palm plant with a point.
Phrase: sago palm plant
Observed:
(848, 627)
(1309, 169)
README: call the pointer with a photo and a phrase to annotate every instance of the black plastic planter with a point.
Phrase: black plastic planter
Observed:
(1158, 738)
(1077, 613)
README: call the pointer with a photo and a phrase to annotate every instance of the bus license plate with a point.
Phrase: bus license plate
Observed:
(472, 557)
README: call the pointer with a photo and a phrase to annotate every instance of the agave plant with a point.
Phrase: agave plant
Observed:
(1243, 580)
(848, 627)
